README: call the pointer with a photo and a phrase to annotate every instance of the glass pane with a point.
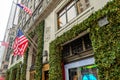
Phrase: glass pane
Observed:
(71, 4)
(62, 12)
(66, 51)
(87, 41)
(77, 46)
(62, 21)
(73, 75)
(71, 13)
(40, 9)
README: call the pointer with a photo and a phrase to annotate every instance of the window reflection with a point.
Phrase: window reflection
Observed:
(71, 13)
(62, 21)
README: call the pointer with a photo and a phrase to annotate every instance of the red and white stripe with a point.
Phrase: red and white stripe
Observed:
(20, 45)
(26, 9)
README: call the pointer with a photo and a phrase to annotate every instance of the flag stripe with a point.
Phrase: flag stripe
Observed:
(6, 44)
(20, 44)
(26, 9)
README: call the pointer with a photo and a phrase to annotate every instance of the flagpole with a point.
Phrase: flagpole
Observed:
(32, 42)
(31, 39)
(32, 45)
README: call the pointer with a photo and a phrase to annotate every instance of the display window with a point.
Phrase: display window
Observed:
(84, 69)
(83, 73)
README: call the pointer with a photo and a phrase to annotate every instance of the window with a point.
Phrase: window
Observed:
(5, 67)
(71, 10)
(7, 56)
(66, 50)
(87, 42)
(24, 21)
(35, 16)
(77, 46)
(83, 73)
(35, 3)
(40, 9)
(12, 60)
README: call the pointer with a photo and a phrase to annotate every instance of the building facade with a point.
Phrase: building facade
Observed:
(9, 36)
(70, 55)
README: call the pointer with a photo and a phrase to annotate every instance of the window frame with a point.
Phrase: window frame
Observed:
(80, 63)
(85, 53)
(71, 3)
(80, 70)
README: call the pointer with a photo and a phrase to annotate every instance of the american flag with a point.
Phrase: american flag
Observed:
(6, 44)
(26, 9)
(20, 44)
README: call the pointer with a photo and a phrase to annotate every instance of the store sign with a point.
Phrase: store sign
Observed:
(103, 21)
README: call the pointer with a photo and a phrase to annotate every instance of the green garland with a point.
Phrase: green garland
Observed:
(105, 42)
(24, 66)
(16, 70)
(38, 63)
(13, 70)
(7, 75)
(11, 75)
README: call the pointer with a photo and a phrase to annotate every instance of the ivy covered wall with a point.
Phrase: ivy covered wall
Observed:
(105, 42)
(18, 71)
(24, 66)
(14, 72)
(38, 62)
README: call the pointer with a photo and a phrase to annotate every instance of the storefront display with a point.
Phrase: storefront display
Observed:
(81, 70)
(83, 73)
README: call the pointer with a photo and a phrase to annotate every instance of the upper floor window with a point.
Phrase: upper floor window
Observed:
(7, 56)
(77, 46)
(71, 10)
(40, 9)
(12, 60)
(5, 67)
(35, 15)
(36, 3)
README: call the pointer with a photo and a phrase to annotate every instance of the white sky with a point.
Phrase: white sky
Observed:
(5, 6)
